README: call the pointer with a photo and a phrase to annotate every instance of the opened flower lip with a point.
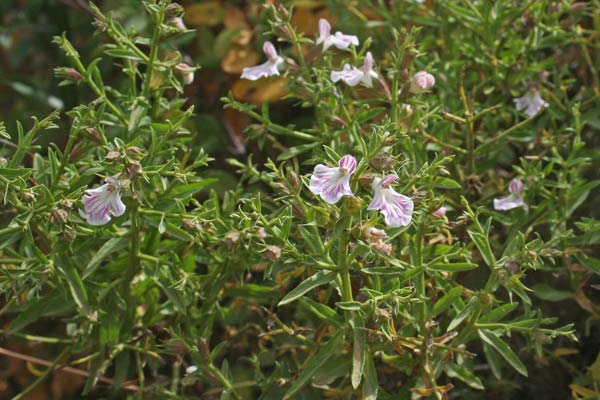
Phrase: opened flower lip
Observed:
(396, 208)
(514, 200)
(332, 183)
(352, 76)
(102, 203)
(338, 39)
(531, 102)
(269, 68)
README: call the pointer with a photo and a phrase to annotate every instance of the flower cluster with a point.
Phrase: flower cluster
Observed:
(350, 75)
(332, 183)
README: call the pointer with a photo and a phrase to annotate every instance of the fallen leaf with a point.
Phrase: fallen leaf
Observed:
(257, 92)
(210, 13)
(238, 58)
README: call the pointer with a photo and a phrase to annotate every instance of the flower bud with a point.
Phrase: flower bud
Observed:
(366, 180)
(272, 253)
(66, 203)
(69, 74)
(261, 233)
(231, 239)
(293, 178)
(189, 225)
(174, 10)
(28, 196)
(421, 82)
(68, 234)
(440, 212)
(59, 216)
(382, 161)
(134, 169)
(93, 135)
(113, 156)
(185, 72)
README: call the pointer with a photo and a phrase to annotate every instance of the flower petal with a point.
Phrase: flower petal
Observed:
(270, 51)
(396, 208)
(324, 31)
(350, 75)
(348, 163)
(508, 203)
(330, 183)
(266, 69)
(102, 202)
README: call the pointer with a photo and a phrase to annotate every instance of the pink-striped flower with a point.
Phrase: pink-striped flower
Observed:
(352, 76)
(269, 68)
(332, 183)
(103, 202)
(396, 208)
(514, 200)
(531, 102)
(338, 40)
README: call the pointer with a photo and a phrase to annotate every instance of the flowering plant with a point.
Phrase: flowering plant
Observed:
(399, 234)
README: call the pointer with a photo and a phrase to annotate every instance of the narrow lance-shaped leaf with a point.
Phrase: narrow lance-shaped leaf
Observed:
(315, 363)
(318, 279)
(359, 351)
(483, 245)
(503, 349)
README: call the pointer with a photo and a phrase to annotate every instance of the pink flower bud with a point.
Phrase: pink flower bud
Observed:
(422, 82)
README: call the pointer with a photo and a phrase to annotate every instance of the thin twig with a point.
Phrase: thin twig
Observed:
(64, 368)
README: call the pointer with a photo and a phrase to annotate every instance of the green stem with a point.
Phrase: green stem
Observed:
(153, 50)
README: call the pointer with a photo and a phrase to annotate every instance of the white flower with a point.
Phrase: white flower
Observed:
(396, 208)
(353, 76)
(269, 68)
(102, 202)
(338, 40)
(186, 72)
(333, 183)
(421, 82)
(514, 200)
(531, 102)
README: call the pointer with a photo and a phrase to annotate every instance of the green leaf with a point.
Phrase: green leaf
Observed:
(452, 267)
(75, 285)
(483, 245)
(111, 246)
(464, 313)
(11, 173)
(446, 301)
(318, 279)
(385, 271)
(447, 183)
(548, 293)
(322, 311)
(503, 349)
(43, 307)
(498, 313)
(370, 385)
(460, 372)
(330, 348)
(359, 350)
